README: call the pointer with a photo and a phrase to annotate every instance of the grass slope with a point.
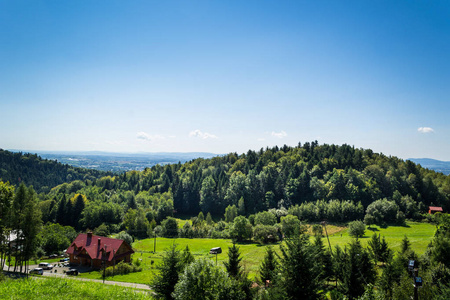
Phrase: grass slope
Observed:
(419, 234)
(57, 288)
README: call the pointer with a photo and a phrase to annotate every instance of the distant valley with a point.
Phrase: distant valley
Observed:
(433, 164)
(119, 162)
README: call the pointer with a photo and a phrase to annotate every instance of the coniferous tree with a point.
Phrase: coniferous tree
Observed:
(269, 266)
(385, 251)
(323, 257)
(357, 270)
(6, 198)
(186, 257)
(164, 281)
(375, 247)
(233, 265)
(300, 272)
(405, 245)
(209, 219)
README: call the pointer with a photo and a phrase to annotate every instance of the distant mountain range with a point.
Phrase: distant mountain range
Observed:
(433, 164)
(119, 162)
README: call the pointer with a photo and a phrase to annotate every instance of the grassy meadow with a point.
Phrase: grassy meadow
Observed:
(58, 288)
(419, 234)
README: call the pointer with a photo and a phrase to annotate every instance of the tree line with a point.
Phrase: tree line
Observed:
(20, 225)
(42, 174)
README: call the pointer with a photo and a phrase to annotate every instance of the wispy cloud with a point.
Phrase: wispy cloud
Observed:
(143, 136)
(280, 134)
(146, 137)
(425, 129)
(203, 135)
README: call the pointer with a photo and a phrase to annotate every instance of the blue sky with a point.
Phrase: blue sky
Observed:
(225, 76)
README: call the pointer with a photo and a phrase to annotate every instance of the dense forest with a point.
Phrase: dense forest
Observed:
(308, 176)
(42, 174)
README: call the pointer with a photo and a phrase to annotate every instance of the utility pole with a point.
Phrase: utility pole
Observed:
(416, 292)
(414, 269)
(114, 260)
(154, 244)
(324, 223)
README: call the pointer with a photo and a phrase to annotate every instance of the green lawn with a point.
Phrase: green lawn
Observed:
(419, 234)
(57, 288)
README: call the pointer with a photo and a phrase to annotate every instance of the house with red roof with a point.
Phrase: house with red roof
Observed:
(434, 209)
(93, 250)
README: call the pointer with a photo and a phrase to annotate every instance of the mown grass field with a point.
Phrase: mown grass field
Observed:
(419, 234)
(58, 288)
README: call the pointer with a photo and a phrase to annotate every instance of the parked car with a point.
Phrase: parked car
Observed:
(37, 271)
(45, 266)
(64, 259)
(72, 272)
(53, 256)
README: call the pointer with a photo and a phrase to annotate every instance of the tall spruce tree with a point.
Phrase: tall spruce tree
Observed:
(357, 270)
(6, 197)
(164, 281)
(300, 272)
(233, 265)
(269, 266)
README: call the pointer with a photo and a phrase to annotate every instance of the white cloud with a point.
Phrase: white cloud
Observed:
(280, 134)
(146, 137)
(202, 135)
(143, 136)
(425, 129)
(261, 139)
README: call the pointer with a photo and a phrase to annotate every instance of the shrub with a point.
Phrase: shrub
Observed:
(126, 237)
(265, 218)
(264, 234)
(356, 229)
(169, 227)
(290, 225)
(383, 211)
(122, 268)
(203, 280)
(241, 229)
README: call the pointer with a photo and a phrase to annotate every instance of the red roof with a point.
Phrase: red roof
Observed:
(97, 247)
(435, 208)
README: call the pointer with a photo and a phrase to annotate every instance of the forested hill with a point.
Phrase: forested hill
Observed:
(257, 181)
(42, 174)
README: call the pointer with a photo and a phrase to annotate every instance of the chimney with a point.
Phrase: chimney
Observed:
(99, 240)
(89, 238)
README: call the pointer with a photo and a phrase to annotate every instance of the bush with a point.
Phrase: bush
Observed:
(203, 280)
(169, 227)
(264, 234)
(122, 268)
(241, 229)
(265, 218)
(383, 211)
(356, 229)
(126, 237)
(290, 225)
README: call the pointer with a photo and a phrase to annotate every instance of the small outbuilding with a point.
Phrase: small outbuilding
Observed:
(92, 250)
(434, 209)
